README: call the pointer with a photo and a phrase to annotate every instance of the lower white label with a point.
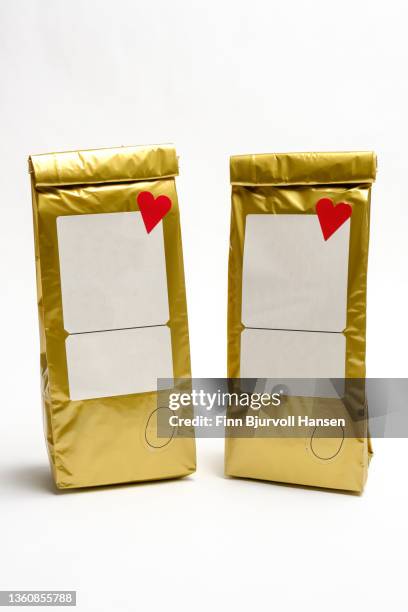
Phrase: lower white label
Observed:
(119, 362)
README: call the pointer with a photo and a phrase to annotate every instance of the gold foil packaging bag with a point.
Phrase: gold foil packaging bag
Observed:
(297, 301)
(112, 311)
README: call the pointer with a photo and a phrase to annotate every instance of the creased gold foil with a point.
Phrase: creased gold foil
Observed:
(103, 441)
(292, 183)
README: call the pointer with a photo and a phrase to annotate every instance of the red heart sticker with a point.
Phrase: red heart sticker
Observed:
(153, 209)
(332, 217)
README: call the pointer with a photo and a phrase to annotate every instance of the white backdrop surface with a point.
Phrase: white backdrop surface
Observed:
(215, 78)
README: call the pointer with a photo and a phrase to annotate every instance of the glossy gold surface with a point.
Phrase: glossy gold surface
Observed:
(292, 183)
(104, 441)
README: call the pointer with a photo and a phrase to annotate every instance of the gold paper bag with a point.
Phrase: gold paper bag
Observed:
(297, 302)
(112, 313)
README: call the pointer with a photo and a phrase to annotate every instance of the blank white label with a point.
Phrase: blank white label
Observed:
(105, 364)
(292, 278)
(291, 354)
(113, 273)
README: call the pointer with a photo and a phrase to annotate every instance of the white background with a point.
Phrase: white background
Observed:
(216, 78)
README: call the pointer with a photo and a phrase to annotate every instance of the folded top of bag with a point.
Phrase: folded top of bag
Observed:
(303, 168)
(104, 165)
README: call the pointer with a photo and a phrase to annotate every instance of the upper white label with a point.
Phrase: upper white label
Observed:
(292, 278)
(113, 273)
